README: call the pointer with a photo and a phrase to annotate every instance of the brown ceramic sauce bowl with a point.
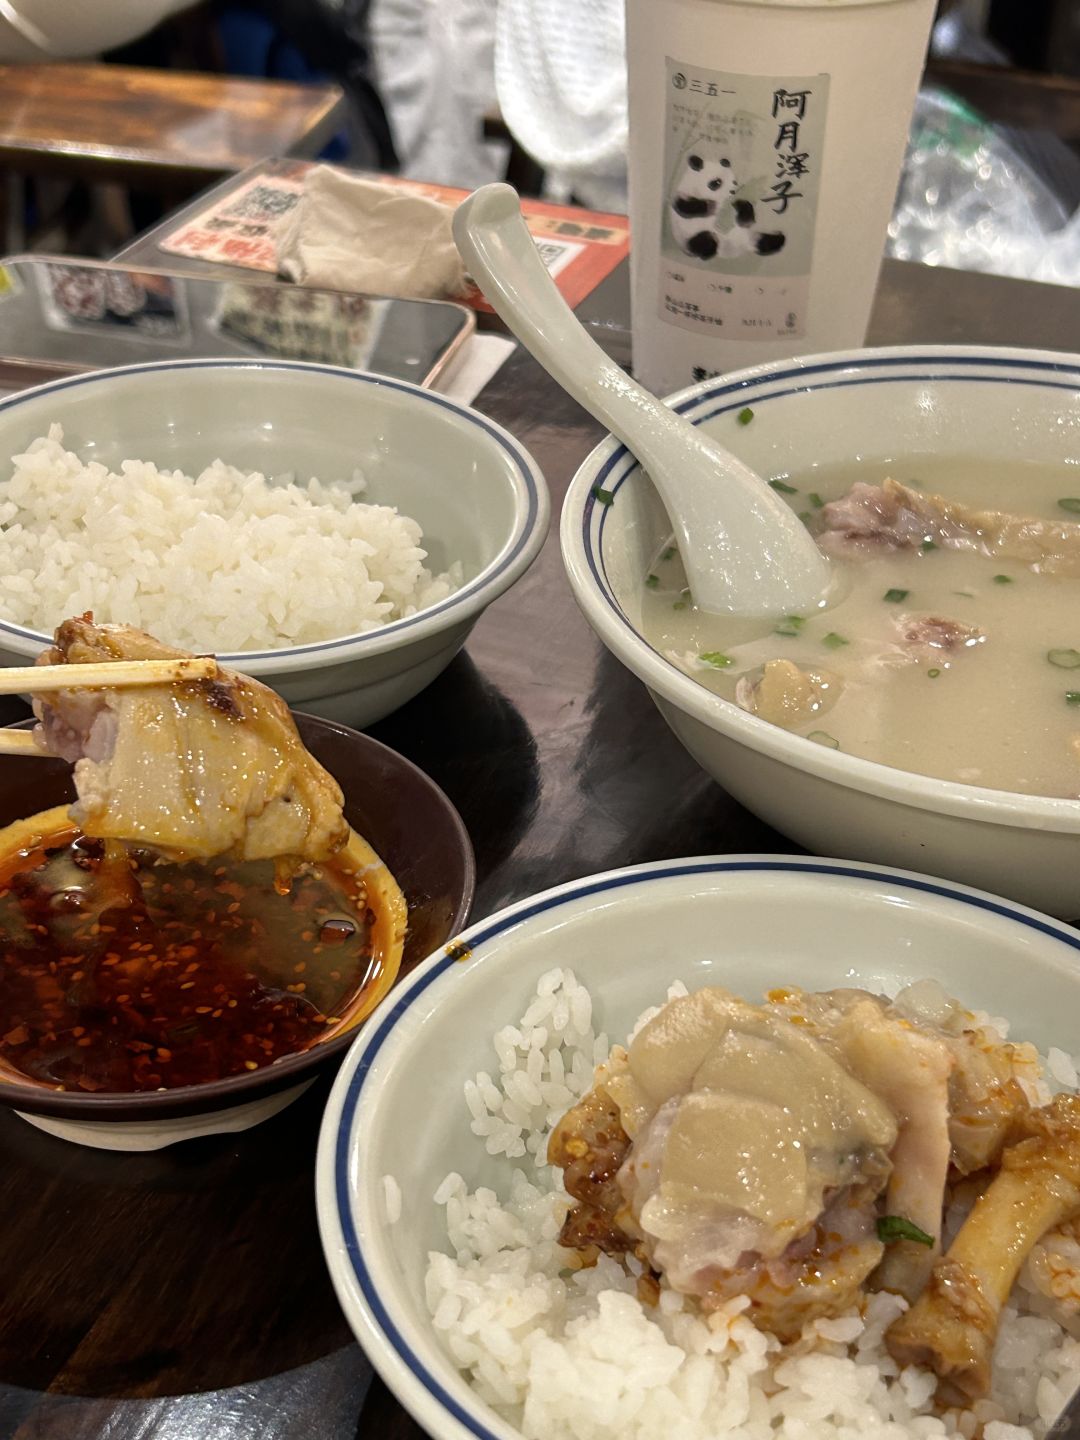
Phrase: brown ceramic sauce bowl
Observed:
(392, 804)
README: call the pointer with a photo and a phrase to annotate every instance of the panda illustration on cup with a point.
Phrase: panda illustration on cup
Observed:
(701, 197)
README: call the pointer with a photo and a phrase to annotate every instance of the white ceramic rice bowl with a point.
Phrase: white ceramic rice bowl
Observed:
(745, 922)
(903, 403)
(476, 493)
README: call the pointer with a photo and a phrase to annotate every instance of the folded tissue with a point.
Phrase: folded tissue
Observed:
(348, 233)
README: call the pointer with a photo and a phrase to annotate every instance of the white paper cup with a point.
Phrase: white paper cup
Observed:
(766, 138)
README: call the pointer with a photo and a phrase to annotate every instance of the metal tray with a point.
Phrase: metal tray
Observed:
(61, 316)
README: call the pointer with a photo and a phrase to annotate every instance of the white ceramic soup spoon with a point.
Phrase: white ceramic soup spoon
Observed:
(744, 550)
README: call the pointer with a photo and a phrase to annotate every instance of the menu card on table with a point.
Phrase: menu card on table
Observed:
(579, 247)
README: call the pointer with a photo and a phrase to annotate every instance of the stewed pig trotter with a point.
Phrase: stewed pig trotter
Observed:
(952, 1326)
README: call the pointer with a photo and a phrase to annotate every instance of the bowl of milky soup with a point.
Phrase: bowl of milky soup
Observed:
(333, 533)
(928, 713)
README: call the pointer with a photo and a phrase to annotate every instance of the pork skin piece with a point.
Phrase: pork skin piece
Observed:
(891, 516)
(910, 1070)
(196, 769)
(786, 695)
(821, 1273)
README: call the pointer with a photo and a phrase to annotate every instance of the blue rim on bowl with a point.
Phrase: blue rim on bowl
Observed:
(519, 550)
(406, 1372)
(584, 522)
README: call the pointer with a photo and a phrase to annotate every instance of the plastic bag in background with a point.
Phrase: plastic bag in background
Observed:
(968, 201)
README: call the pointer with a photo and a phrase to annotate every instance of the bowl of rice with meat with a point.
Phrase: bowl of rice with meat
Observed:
(743, 1146)
(333, 533)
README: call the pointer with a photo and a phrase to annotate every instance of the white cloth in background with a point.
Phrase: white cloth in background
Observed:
(560, 78)
(357, 235)
(434, 66)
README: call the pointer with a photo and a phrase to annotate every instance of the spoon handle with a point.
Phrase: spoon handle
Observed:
(500, 254)
(502, 257)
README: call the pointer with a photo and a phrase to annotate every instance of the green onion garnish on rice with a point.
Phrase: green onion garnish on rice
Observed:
(896, 1227)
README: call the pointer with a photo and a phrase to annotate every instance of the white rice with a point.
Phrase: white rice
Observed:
(225, 560)
(575, 1355)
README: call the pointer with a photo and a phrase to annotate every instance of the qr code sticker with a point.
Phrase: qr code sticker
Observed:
(557, 254)
(263, 202)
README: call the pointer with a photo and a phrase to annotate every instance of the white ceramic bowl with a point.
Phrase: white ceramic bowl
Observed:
(745, 922)
(475, 491)
(904, 403)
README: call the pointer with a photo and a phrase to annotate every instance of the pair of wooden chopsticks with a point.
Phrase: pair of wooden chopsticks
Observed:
(113, 674)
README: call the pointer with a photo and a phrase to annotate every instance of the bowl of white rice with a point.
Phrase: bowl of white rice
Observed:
(334, 533)
(439, 1214)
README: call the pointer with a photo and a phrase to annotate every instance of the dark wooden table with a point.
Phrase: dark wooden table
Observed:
(183, 1296)
(155, 129)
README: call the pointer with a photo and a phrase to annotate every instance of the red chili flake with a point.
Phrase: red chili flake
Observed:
(18, 1036)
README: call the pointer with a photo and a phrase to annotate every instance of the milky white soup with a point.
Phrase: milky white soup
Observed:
(947, 662)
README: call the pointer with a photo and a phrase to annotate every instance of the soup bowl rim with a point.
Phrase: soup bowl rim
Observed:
(581, 538)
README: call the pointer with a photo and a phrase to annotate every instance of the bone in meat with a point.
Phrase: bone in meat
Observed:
(952, 1326)
(892, 516)
(199, 769)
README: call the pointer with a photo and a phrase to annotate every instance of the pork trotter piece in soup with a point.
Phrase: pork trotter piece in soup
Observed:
(946, 644)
